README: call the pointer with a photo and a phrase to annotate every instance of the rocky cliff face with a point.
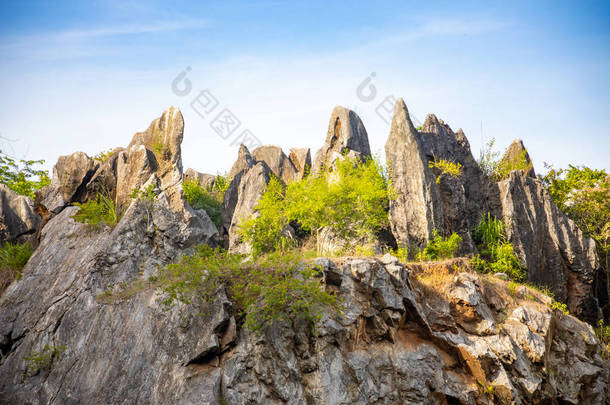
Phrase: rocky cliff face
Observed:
(85, 323)
(550, 246)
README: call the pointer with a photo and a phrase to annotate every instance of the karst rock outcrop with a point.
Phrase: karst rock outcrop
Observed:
(346, 135)
(555, 253)
(86, 322)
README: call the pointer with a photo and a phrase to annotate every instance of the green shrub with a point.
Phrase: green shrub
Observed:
(603, 334)
(440, 248)
(264, 231)
(560, 306)
(498, 254)
(13, 257)
(496, 168)
(351, 201)
(42, 360)
(202, 199)
(402, 254)
(445, 167)
(274, 287)
(22, 177)
(97, 212)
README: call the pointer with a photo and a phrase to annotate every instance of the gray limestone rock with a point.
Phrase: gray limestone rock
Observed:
(346, 133)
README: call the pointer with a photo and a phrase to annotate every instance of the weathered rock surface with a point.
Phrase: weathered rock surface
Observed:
(205, 180)
(398, 340)
(281, 166)
(244, 161)
(555, 252)
(301, 159)
(552, 247)
(515, 154)
(248, 188)
(346, 134)
(19, 221)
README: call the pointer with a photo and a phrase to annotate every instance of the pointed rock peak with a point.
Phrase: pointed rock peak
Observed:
(244, 161)
(163, 137)
(401, 121)
(517, 158)
(346, 132)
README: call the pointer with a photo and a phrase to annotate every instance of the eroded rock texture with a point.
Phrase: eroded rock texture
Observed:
(401, 339)
(549, 244)
(346, 134)
(19, 221)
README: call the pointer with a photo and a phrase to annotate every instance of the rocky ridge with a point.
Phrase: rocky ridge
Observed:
(415, 333)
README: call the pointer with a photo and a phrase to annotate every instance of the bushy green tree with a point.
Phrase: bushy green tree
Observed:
(351, 200)
(202, 199)
(21, 176)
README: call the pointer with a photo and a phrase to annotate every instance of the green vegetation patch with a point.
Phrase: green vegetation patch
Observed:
(21, 176)
(350, 201)
(13, 257)
(97, 212)
(38, 361)
(275, 287)
(209, 199)
(447, 167)
(497, 254)
(439, 247)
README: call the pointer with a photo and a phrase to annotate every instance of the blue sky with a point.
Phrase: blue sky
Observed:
(87, 75)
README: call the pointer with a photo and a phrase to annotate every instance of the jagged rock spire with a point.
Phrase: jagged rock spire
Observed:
(346, 133)
(514, 155)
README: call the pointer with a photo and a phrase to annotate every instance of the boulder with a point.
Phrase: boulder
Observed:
(281, 166)
(301, 159)
(346, 134)
(19, 221)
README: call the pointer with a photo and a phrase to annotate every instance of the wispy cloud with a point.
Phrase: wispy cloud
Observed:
(79, 35)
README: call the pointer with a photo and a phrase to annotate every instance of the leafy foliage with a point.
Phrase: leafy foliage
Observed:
(97, 212)
(270, 288)
(13, 257)
(22, 177)
(445, 167)
(602, 331)
(440, 248)
(42, 360)
(264, 231)
(209, 199)
(560, 306)
(148, 194)
(497, 169)
(504, 167)
(351, 201)
(401, 253)
(498, 254)
(583, 194)
(489, 160)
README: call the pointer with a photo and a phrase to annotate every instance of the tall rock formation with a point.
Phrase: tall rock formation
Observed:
(549, 244)
(346, 134)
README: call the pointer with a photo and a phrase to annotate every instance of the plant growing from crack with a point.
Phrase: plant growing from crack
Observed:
(38, 361)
